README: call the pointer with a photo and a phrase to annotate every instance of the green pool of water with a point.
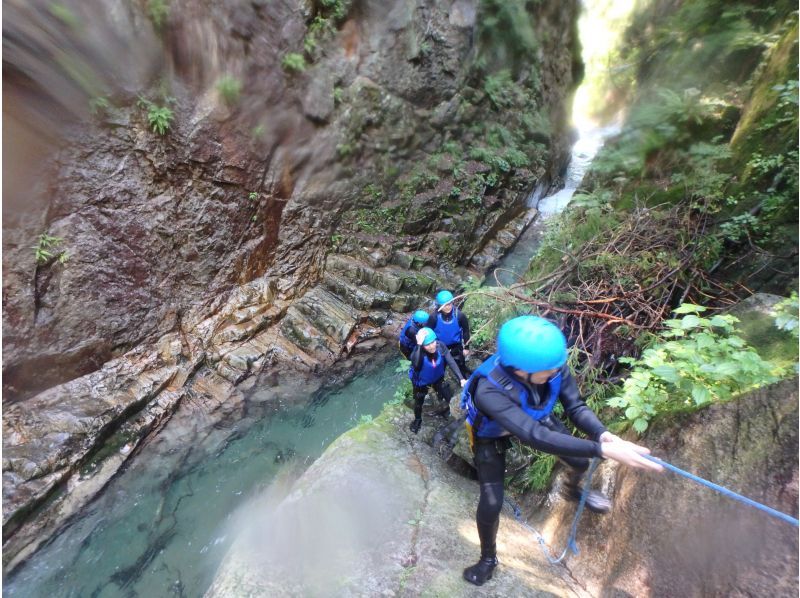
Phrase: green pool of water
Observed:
(162, 526)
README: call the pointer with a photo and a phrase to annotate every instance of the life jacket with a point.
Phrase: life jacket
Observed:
(448, 332)
(406, 342)
(481, 425)
(430, 372)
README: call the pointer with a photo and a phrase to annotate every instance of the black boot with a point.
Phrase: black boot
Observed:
(596, 502)
(480, 572)
(415, 425)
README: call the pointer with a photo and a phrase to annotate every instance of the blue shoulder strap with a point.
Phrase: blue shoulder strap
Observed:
(482, 371)
(554, 388)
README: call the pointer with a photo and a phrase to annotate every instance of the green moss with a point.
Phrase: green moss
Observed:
(750, 135)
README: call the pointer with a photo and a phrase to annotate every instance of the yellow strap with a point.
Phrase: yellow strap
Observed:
(470, 435)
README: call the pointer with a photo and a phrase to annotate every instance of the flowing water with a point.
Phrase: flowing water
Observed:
(164, 524)
(515, 263)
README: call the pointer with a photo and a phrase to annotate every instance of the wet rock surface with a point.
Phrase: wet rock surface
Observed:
(670, 536)
(380, 514)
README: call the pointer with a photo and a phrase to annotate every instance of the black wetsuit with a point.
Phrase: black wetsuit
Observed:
(411, 336)
(456, 349)
(443, 390)
(549, 435)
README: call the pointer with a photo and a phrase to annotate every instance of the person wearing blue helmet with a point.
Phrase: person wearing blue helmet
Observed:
(408, 333)
(451, 327)
(428, 360)
(513, 393)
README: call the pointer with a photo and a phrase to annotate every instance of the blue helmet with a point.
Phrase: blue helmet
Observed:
(430, 336)
(421, 316)
(443, 297)
(531, 344)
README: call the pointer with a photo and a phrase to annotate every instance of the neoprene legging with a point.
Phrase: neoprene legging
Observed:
(443, 390)
(490, 462)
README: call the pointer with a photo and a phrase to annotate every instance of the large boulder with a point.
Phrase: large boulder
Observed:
(379, 514)
(669, 536)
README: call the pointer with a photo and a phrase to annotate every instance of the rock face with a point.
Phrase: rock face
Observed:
(379, 514)
(669, 536)
(274, 229)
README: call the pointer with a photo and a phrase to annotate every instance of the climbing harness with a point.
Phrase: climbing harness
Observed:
(724, 491)
(573, 532)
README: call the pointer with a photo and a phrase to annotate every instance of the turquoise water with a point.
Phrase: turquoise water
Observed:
(162, 527)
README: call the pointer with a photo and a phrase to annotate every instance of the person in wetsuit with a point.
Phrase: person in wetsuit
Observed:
(452, 328)
(513, 393)
(427, 369)
(408, 333)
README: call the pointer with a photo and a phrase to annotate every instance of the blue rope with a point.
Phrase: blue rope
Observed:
(725, 491)
(573, 532)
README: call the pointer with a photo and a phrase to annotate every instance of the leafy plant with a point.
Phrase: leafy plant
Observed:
(159, 117)
(46, 249)
(230, 89)
(695, 361)
(158, 10)
(252, 196)
(294, 62)
(99, 105)
(786, 314)
(365, 419)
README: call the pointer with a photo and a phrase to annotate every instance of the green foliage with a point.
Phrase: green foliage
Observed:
(158, 11)
(695, 361)
(374, 192)
(333, 8)
(365, 419)
(294, 63)
(343, 150)
(376, 220)
(99, 105)
(786, 314)
(252, 196)
(405, 391)
(159, 117)
(338, 95)
(64, 14)
(536, 477)
(501, 90)
(46, 249)
(506, 36)
(230, 88)
(258, 131)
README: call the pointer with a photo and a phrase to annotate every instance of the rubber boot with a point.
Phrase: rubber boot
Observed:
(415, 425)
(597, 502)
(482, 571)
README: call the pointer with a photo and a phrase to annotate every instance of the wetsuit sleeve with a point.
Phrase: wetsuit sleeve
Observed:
(464, 323)
(448, 358)
(411, 335)
(432, 320)
(576, 409)
(416, 358)
(496, 404)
